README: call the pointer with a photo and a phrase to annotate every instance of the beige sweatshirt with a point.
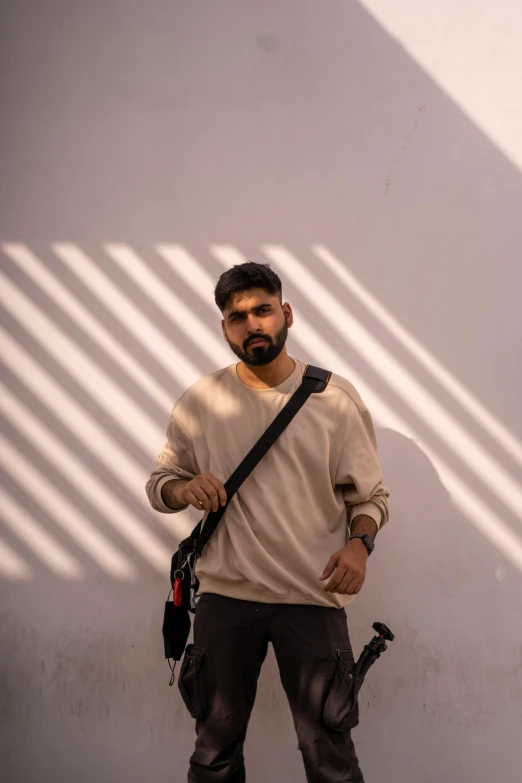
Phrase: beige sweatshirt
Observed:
(292, 513)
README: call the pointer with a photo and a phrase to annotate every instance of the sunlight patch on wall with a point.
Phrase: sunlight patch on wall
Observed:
(105, 449)
(468, 401)
(189, 270)
(120, 306)
(115, 513)
(65, 514)
(126, 524)
(205, 339)
(456, 44)
(12, 567)
(76, 363)
(37, 539)
(71, 305)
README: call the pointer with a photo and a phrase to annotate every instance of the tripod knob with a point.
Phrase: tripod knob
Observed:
(383, 631)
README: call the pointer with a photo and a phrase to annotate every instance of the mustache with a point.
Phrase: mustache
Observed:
(257, 337)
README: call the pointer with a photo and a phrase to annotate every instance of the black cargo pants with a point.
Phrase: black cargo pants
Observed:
(218, 681)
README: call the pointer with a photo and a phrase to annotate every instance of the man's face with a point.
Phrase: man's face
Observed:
(255, 325)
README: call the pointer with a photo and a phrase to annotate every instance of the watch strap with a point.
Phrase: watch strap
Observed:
(365, 538)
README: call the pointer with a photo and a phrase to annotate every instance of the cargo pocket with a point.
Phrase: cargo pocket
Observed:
(191, 682)
(341, 708)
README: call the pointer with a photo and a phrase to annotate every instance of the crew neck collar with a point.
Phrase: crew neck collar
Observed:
(287, 385)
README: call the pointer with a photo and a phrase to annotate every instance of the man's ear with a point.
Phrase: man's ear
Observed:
(223, 329)
(289, 316)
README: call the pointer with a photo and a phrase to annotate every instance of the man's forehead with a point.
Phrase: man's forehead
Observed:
(253, 297)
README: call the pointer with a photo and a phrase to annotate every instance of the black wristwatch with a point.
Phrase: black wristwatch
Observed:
(366, 539)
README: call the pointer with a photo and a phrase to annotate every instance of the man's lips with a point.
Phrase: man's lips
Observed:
(256, 342)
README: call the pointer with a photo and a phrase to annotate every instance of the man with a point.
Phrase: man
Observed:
(296, 514)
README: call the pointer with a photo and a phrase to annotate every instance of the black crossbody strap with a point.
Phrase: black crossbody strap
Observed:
(314, 381)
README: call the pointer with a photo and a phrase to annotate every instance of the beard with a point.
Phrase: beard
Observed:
(261, 354)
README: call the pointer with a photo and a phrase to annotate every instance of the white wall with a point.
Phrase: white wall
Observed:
(387, 134)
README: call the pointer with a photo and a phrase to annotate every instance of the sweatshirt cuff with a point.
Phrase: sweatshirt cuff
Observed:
(369, 509)
(157, 502)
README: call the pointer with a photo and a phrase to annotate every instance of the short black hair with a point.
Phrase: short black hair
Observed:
(244, 276)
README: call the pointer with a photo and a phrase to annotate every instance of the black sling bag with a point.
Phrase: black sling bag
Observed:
(183, 580)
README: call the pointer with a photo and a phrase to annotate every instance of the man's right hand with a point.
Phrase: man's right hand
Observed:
(204, 492)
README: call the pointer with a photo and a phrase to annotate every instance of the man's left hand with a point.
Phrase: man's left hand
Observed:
(347, 569)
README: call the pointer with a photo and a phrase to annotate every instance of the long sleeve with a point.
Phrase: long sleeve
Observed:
(360, 475)
(177, 460)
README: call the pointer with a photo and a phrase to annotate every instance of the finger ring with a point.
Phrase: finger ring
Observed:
(200, 503)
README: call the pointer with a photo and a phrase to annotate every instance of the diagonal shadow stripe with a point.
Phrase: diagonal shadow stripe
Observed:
(71, 467)
(204, 339)
(91, 568)
(80, 338)
(73, 307)
(110, 322)
(469, 402)
(132, 497)
(38, 540)
(84, 371)
(190, 270)
(67, 383)
(65, 514)
(85, 428)
(139, 298)
(141, 328)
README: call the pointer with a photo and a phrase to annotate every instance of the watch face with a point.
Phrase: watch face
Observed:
(369, 542)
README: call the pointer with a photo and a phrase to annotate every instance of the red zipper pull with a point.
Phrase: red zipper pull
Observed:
(177, 592)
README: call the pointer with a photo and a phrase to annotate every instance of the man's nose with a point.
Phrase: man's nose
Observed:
(253, 324)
